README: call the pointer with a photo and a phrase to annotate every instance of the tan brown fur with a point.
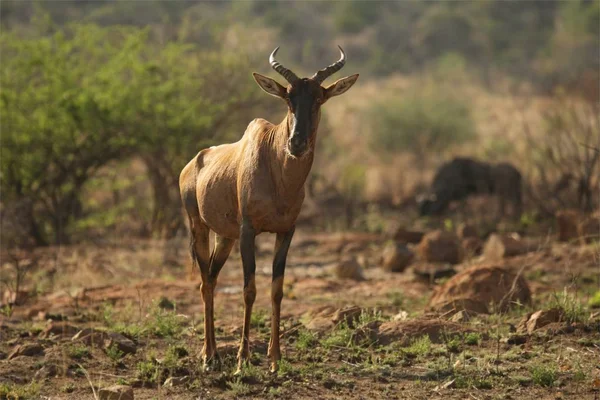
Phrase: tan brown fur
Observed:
(255, 185)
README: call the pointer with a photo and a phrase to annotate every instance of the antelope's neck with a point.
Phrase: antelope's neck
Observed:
(289, 173)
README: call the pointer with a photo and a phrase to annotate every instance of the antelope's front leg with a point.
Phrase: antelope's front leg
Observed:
(282, 245)
(247, 238)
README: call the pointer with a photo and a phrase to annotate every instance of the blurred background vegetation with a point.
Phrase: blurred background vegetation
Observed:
(103, 102)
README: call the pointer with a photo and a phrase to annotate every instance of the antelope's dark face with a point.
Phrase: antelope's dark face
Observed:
(304, 98)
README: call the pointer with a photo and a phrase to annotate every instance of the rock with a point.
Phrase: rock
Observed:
(328, 317)
(176, 381)
(538, 319)
(116, 392)
(588, 229)
(47, 371)
(567, 221)
(3, 355)
(28, 350)
(405, 236)
(122, 343)
(471, 306)
(431, 272)
(59, 328)
(401, 316)
(440, 246)
(404, 332)
(166, 304)
(348, 314)
(396, 257)
(464, 231)
(461, 317)
(349, 269)
(516, 339)
(472, 246)
(93, 337)
(486, 284)
(498, 247)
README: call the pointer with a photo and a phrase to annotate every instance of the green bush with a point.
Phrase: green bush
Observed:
(420, 122)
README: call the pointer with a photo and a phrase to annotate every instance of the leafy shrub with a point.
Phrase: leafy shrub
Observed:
(420, 122)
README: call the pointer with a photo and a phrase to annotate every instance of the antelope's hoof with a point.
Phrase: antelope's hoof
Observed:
(274, 367)
(212, 364)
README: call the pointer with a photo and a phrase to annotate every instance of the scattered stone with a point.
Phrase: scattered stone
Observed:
(487, 284)
(431, 272)
(498, 247)
(28, 350)
(405, 236)
(116, 392)
(119, 341)
(401, 316)
(59, 328)
(440, 246)
(567, 221)
(349, 269)
(464, 231)
(93, 337)
(448, 385)
(538, 319)
(471, 306)
(461, 317)
(47, 371)
(396, 257)
(176, 381)
(516, 339)
(166, 304)
(472, 246)
(327, 317)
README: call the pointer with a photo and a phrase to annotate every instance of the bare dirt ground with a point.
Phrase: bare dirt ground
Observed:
(341, 338)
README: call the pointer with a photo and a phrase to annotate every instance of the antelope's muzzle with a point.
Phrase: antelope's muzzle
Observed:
(297, 145)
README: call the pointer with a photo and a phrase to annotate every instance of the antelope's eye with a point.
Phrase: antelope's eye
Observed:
(319, 101)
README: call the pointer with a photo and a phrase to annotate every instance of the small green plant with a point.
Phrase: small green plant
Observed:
(544, 375)
(12, 391)
(114, 353)
(472, 338)
(465, 381)
(453, 345)
(147, 371)
(306, 340)
(68, 388)
(239, 388)
(78, 352)
(419, 347)
(573, 310)
(163, 323)
(594, 301)
(340, 337)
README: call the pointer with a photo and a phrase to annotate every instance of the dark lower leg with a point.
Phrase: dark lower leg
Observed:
(249, 297)
(276, 296)
(247, 238)
(282, 245)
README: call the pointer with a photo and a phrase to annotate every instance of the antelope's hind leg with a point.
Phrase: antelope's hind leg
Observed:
(282, 245)
(209, 271)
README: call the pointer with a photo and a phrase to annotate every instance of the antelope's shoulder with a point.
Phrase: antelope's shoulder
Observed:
(257, 127)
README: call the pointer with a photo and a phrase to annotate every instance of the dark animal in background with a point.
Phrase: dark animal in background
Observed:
(464, 177)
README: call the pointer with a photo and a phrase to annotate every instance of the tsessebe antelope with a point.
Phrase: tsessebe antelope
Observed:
(255, 185)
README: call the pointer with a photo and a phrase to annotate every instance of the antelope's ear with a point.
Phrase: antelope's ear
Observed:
(340, 86)
(269, 85)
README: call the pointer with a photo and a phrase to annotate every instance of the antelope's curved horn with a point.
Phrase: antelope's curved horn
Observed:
(325, 73)
(286, 73)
